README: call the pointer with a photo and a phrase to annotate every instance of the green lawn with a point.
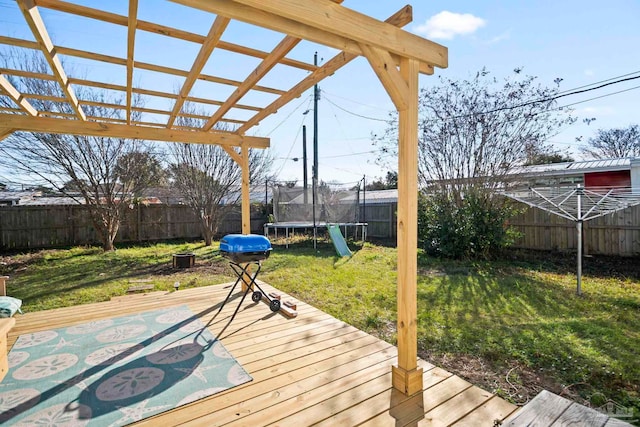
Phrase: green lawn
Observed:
(513, 326)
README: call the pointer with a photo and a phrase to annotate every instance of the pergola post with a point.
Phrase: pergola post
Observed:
(402, 87)
(406, 376)
(246, 200)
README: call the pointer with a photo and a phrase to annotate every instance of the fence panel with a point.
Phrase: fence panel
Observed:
(32, 227)
(614, 234)
(381, 219)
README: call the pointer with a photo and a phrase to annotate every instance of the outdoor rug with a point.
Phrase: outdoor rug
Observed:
(116, 371)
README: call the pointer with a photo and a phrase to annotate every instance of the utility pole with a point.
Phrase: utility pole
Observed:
(316, 97)
(304, 162)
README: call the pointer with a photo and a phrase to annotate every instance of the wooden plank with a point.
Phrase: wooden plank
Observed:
(209, 44)
(389, 407)
(578, 415)
(266, 381)
(157, 68)
(384, 67)
(407, 230)
(333, 18)
(289, 400)
(164, 30)
(131, 41)
(613, 422)
(456, 408)
(5, 132)
(139, 288)
(76, 127)
(36, 24)
(543, 410)
(491, 411)
(16, 96)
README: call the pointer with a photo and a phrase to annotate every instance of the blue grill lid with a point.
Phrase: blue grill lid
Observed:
(244, 243)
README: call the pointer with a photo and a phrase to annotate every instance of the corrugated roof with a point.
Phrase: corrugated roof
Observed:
(582, 166)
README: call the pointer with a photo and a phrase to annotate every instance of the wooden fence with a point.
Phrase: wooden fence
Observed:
(381, 219)
(30, 227)
(614, 234)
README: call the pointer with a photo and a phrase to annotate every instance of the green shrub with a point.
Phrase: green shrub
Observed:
(474, 226)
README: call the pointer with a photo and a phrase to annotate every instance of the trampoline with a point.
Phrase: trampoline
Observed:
(290, 227)
(296, 208)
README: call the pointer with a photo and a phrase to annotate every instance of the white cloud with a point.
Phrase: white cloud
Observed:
(497, 39)
(446, 25)
(589, 73)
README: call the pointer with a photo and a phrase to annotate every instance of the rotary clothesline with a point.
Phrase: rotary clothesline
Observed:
(578, 204)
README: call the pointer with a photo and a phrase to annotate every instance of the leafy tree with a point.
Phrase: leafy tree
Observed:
(209, 179)
(81, 167)
(390, 182)
(545, 154)
(614, 143)
(140, 169)
(472, 134)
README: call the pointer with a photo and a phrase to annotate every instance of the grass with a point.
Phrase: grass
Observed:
(513, 326)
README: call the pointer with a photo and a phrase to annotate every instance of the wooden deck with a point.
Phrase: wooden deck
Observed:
(309, 370)
(548, 409)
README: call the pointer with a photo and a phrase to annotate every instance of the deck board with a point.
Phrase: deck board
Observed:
(548, 409)
(309, 369)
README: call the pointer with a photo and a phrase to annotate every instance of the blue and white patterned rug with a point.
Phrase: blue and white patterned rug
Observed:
(116, 371)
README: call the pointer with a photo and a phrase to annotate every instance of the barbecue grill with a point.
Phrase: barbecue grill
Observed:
(242, 248)
(243, 251)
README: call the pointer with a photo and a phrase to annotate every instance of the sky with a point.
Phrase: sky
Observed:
(582, 42)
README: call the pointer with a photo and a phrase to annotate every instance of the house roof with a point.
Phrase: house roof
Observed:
(576, 168)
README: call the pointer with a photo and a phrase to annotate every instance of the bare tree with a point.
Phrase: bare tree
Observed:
(473, 132)
(209, 179)
(614, 143)
(87, 169)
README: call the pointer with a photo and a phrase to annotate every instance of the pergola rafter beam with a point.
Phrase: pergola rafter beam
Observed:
(62, 50)
(325, 22)
(131, 42)
(34, 20)
(274, 22)
(261, 70)
(16, 96)
(399, 19)
(112, 130)
(210, 43)
(5, 132)
(385, 69)
(122, 107)
(233, 154)
(164, 30)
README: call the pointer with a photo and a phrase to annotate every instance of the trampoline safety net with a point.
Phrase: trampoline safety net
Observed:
(332, 206)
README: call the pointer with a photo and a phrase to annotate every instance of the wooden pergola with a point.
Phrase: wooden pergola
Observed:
(396, 56)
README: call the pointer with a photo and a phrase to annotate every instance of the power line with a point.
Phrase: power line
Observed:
(293, 144)
(548, 99)
(597, 97)
(287, 118)
(601, 81)
(349, 155)
(355, 114)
